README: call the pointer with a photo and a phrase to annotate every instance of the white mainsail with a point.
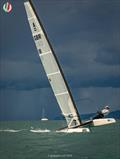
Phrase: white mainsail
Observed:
(52, 68)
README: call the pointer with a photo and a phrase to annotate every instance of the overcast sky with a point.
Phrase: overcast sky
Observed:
(85, 35)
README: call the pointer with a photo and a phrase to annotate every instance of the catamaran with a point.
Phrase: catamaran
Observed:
(56, 77)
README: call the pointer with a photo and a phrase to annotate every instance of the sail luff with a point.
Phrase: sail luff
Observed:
(45, 53)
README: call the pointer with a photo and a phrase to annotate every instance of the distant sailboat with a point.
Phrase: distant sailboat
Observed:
(56, 77)
(43, 115)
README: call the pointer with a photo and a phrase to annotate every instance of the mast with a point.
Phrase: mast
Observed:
(43, 113)
(52, 68)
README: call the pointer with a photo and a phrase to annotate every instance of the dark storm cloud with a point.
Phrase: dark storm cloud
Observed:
(17, 104)
(109, 56)
(85, 34)
(91, 99)
(83, 70)
(22, 75)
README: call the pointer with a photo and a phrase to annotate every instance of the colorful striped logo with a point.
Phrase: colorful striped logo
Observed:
(7, 7)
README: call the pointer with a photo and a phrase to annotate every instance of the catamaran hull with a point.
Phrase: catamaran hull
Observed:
(44, 119)
(74, 130)
(105, 121)
(99, 122)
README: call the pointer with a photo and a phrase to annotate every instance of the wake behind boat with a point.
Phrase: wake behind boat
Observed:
(39, 130)
(56, 77)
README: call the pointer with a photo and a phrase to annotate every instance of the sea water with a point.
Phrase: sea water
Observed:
(39, 140)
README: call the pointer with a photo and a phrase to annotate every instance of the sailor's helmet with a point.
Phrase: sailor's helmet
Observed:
(107, 107)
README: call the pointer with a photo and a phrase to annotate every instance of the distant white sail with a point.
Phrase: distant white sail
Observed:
(43, 115)
(52, 68)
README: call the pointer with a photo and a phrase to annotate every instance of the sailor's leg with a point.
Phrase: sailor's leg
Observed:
(98, 116)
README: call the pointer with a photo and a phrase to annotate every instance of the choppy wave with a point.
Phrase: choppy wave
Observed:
(10, 130)
(39, 130)
(31, 130)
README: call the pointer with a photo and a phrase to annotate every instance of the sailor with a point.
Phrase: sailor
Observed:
(106, 110)
(102, 113)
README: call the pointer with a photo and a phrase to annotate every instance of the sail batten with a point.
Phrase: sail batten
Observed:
(53, 73)
(52, 68)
